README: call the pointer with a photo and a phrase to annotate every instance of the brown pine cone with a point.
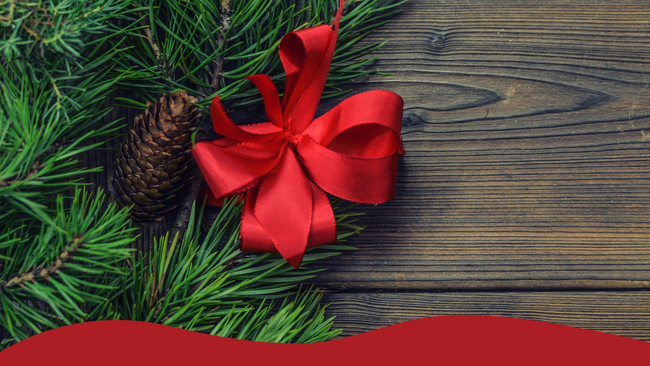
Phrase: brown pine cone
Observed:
(155, 161)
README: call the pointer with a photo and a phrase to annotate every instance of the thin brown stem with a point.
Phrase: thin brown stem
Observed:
(221, 36)
(152, 42)
(36, 165)
(161, 301)
(151, 39)
(346, 5)
(192, 195)
(185, 208)
(31, 32)
(44, 272)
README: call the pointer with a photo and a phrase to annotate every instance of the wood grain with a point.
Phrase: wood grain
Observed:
(622, 313)
(526, 129)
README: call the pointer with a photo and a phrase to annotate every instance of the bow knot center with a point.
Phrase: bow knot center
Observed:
(294, 140)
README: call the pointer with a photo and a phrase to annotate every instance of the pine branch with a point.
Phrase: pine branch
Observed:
(204, 283)
(297, 321)
(52, 90)
(185, 207)
(60, 61)
(194, 41)
(39, 29)
(205, 128)
(68, 265)
(152, 42)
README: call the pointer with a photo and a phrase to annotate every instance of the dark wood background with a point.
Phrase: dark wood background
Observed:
(525, 189)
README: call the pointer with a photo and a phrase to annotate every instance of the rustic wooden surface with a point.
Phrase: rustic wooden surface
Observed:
(525, 190)
(623, 313)
(527, 132)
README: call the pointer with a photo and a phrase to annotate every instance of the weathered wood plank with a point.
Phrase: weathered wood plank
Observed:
(526, 129)
(622, 313)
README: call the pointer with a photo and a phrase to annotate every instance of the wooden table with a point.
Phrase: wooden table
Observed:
(525, 189)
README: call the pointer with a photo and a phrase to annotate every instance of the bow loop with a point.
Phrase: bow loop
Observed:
(306, 56)
(380, 107)
(236, 167)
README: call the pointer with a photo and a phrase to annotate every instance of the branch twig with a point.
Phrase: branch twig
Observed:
(152, 41)
(225, 24)
(192, 194)
(44, 273)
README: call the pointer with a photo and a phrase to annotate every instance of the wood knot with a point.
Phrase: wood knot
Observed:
(438, 42)
(411, 122)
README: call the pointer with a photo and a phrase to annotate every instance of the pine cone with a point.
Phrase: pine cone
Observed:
(156, 162)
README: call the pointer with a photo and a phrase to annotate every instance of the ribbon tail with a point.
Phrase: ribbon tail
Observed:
(323, 223)
(284, 208)
(225, 126)
(271, 98)
(322, 230)
(253, 236)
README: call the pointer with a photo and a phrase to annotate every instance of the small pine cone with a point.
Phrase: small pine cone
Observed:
(155, 161)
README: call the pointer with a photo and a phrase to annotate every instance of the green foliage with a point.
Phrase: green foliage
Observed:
(202, 283)
(48, 30)
(55, 77)
(210, 53)
(64, 255)
(66, 265)
(39, 137)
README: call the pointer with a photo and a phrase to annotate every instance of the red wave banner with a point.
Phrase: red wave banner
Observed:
(460, 339)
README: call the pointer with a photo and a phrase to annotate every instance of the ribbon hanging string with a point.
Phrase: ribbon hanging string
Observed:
(285, 166)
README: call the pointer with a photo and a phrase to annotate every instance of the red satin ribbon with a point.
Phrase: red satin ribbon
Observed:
(287, 164)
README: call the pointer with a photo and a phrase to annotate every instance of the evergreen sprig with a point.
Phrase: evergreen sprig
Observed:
(56, 75)
(202, 283)
(40, 135)
(65, 265)
(44, 30)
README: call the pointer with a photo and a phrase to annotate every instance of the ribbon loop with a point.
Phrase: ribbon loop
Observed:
(287, 164)
(379, 107)
(307, 71)
(231, 170)
(366, 180)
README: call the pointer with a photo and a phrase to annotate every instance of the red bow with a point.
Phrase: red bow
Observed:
(286, 165)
